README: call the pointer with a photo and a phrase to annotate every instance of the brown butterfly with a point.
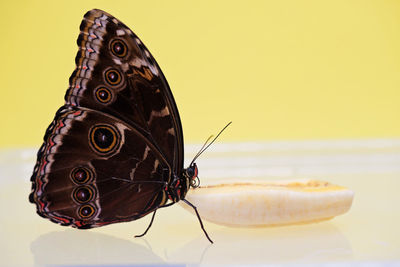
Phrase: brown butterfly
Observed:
(114, 151)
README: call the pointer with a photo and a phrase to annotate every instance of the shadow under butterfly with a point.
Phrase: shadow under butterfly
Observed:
(114, 151)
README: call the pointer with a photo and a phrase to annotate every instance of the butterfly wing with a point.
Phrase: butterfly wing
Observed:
(116, 74)
(94, 169)
(117, 141)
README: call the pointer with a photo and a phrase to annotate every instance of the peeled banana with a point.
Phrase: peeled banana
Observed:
(252, 204)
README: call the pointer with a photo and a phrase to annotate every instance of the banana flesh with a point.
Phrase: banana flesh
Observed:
(254, 204)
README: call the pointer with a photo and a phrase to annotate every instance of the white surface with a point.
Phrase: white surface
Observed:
(368, 234)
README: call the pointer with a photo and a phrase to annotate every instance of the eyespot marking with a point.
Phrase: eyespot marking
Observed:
(104, 139)
(119, 48)
(113, 77)
(81, 175)
(86, 211)
(83, 194)
(103, 95)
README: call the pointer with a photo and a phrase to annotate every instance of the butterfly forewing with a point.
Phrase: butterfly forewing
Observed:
(116, 74)
(117, 142)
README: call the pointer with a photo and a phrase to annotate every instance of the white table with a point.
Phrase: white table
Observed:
(368, 234)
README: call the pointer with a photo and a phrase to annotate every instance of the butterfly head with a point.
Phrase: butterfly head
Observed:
(191, 174)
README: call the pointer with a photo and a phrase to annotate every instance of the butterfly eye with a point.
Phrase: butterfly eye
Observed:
(113, 77)
(83, 194)
(103, 95)
(119, 48)
(86, 211)
(103, 138)
(189, 172)
(81, 175)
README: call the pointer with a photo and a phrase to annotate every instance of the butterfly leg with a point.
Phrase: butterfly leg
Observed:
(152, 218)
(198, 217)
(151, 222)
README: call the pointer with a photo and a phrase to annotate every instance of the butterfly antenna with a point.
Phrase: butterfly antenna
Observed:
(198, 153)
(205, 146)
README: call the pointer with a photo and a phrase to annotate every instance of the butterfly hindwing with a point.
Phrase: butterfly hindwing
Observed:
(94, 169)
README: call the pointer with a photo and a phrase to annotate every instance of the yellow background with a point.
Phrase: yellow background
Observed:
(278, 69)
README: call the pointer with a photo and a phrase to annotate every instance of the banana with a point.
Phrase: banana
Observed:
(253, 204)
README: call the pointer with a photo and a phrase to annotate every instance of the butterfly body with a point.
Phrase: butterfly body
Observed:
(114, 151)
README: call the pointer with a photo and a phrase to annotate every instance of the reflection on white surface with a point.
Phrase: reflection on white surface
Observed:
(72, 247)
(314, 243)
(299, 244)
(369, 232)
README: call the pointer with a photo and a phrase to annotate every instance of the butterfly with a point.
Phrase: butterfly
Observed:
(114, 151)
